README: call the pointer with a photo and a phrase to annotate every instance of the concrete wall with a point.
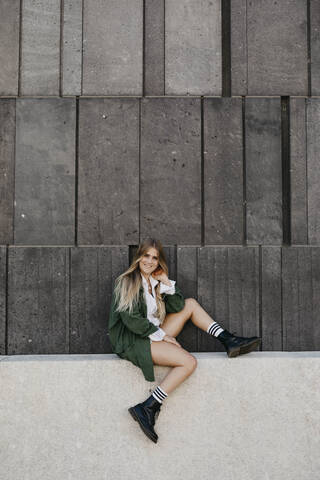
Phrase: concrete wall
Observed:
(253, 417)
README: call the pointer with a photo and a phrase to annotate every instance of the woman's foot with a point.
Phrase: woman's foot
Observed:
(144, 413)
(238, 345)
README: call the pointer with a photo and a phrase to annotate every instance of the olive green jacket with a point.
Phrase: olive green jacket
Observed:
(129, 333)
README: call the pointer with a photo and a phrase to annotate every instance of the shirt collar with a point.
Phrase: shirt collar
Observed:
(153, 280)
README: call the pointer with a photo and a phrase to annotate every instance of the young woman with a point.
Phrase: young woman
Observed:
(143, 299)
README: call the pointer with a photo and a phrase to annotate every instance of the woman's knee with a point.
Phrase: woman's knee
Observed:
(191, 363)
(191, 303)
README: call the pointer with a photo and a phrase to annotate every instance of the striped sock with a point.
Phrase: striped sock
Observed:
(215, 329)
(159, 394)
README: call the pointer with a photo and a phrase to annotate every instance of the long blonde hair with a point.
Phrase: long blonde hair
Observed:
(128, 284)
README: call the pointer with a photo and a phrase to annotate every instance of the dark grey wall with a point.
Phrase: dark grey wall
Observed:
(196, 122)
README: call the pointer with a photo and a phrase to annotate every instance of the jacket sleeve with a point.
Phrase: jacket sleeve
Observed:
(137, 323)
(174, 302)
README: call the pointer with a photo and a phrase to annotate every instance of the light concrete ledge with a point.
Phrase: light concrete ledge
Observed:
(254, 417)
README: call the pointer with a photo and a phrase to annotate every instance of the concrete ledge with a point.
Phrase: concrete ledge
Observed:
(254, 417)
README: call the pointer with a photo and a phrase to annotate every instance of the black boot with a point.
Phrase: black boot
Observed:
(238, 345)
(144, 413)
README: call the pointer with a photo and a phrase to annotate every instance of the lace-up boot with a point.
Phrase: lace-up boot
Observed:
(235, 345)
(145, 414)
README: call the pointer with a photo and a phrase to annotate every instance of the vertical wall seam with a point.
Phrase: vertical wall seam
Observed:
(139, 170)
(306, 105)
(226, 47)
(61, 48)
(76, 183)
(164, 47)
(281, 296)
(309, 48)
(285, 162)
(82, 22)
(143, 46)
(260, 295)
(202, 221)
(14, 171)
(244, 173)
(6, 302)
(68, 303)
(20, 49)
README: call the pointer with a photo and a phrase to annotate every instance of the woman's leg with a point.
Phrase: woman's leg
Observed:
(168, 354)
(174, 322)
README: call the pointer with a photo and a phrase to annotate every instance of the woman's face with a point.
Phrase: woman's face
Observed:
(149, 261)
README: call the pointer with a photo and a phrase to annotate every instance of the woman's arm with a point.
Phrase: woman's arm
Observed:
(137, 323)
(174, 302)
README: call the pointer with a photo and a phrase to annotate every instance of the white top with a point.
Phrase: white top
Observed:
(152, 304)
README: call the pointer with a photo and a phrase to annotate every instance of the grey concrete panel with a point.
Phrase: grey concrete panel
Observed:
(193, 47)
(170, 177)
(108, 171)
(228, 286)
(72, 47)
(223, 171)
(313, 170)
(112, 47)
(7, 140)
(93, 272)
(9, 46)
(154, 48)
(45, 171)
(187, 279)
(263, 170)
(277, 47)
(298, 171)
(301, 298)
(3, 298)
(239, 47)
(315, 46)
(40, 48)
(271, 298)
(38, 300)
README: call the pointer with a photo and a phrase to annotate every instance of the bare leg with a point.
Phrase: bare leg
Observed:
(168, 354)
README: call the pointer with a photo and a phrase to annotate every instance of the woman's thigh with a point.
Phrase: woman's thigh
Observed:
(174, 322)
(169, 354)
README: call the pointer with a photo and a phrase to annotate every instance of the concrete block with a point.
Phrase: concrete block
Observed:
(72, 47)
(170, 177)
(263, 170)
(7, 163)
(93, 272)
(38, 300)
(154, 62)
(45, 171)
(40, 47)
(251, 417)
(301, 298)
(228, 289)
(9, 46)
(271, 301)
(315, 46)
(223, 171)
(277, 47)
(108, 157)
(193, 47)
(313, 171)
(112, 47)
(298, 171)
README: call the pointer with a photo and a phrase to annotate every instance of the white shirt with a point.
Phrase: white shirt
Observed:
(152, 304)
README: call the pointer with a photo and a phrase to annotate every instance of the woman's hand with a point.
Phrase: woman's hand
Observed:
(162, 277)
(169, 339)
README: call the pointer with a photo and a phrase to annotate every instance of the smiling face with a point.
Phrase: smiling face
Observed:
(149, 262)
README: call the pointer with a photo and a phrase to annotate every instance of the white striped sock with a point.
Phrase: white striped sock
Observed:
(159, 394)
(215, 329)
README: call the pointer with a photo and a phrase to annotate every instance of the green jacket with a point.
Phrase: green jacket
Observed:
(129, 333)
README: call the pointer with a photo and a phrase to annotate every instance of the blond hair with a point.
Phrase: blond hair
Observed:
(128, 284)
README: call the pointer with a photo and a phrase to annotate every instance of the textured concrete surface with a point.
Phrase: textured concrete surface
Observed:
(9, 46)
(253, 417)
